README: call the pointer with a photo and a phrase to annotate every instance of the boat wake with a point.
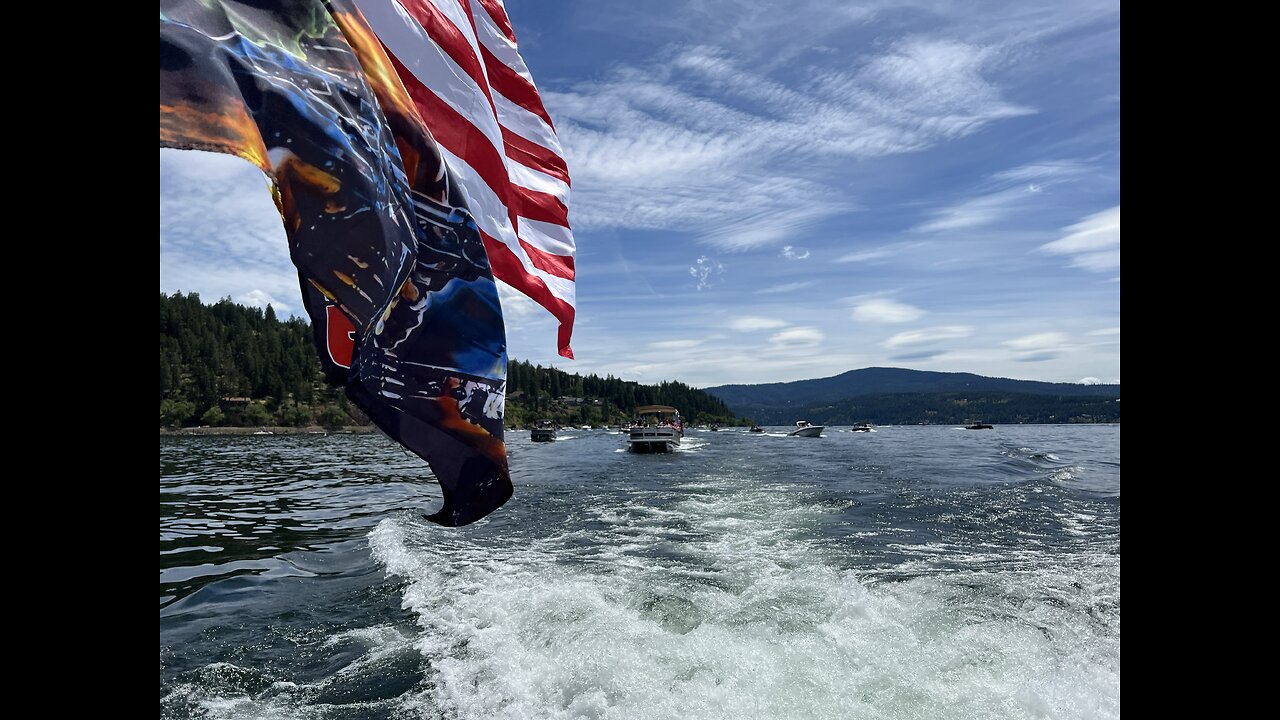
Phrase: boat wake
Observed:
(708, 598)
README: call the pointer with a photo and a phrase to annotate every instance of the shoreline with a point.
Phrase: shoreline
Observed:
(370, 429)
(272, 430)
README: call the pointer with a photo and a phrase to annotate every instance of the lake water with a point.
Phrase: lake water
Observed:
(913, 572)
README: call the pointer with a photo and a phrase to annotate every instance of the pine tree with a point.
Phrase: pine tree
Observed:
(212, 353)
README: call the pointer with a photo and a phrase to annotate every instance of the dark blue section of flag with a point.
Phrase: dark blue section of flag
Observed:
(375, 225)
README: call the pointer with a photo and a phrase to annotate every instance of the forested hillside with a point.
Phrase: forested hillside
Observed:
(959, 408)
(751, 399)
(226, 364)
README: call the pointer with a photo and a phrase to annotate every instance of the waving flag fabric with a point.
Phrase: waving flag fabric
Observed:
(393, 268)
(459, 61)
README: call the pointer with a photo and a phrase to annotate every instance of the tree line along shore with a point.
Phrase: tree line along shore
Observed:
(229, 366)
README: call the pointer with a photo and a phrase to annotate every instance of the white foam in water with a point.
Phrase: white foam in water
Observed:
(213, 690)
(734, 614)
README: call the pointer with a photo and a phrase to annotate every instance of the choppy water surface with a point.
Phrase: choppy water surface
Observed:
(913, 572)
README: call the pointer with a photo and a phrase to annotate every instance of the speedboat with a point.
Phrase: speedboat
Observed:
(861, 427)
(756, 428)
(978, 426)
(804, 428)
(544, 431)
(658, 429)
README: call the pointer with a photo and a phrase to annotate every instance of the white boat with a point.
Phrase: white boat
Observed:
(804, 428)
(658, 429)
(544, 431)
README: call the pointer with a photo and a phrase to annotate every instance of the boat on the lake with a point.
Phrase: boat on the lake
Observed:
(756, 428)
(978, 426)
(544, 431)
(861, 427)
(714, 428)
(657, 429)
(804, 428)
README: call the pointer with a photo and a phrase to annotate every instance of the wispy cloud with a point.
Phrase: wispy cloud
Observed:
(976, 212)
(220, 233)
(1044, 170)
(1092, 243)
(261, 299)
(515, 304)
(1039, 347)
(750, 322)
(1038, 341)
(791, 252)
(866, 256)
(883, 310)
(706, 271)
(797, 338)
(785, 287)
(914, 250)
(702, 142)
(937, 81)
(675, 344)
(768, 225)
(925, 336)
(1004, 194)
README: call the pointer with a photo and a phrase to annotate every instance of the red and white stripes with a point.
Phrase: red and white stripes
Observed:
(459, 61)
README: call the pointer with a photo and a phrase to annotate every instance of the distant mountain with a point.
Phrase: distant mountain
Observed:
(776, 402)
(961, 408)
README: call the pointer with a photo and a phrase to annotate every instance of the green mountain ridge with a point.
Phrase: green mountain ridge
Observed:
(899, 395)
(952, 409)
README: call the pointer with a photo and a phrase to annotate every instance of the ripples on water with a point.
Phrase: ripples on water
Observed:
(907, 573)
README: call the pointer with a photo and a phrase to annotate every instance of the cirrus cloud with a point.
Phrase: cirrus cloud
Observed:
(675, 344)
(865, 255)
(749, 323)
(797, 337)
(785, 287)
(712, 124)
(883, 310)
(1093, 243)
(1038, 347)
(261, 299)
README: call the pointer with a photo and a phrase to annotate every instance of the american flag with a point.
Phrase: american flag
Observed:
(461, 65)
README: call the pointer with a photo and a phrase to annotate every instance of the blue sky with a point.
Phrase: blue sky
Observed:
(767, 192)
